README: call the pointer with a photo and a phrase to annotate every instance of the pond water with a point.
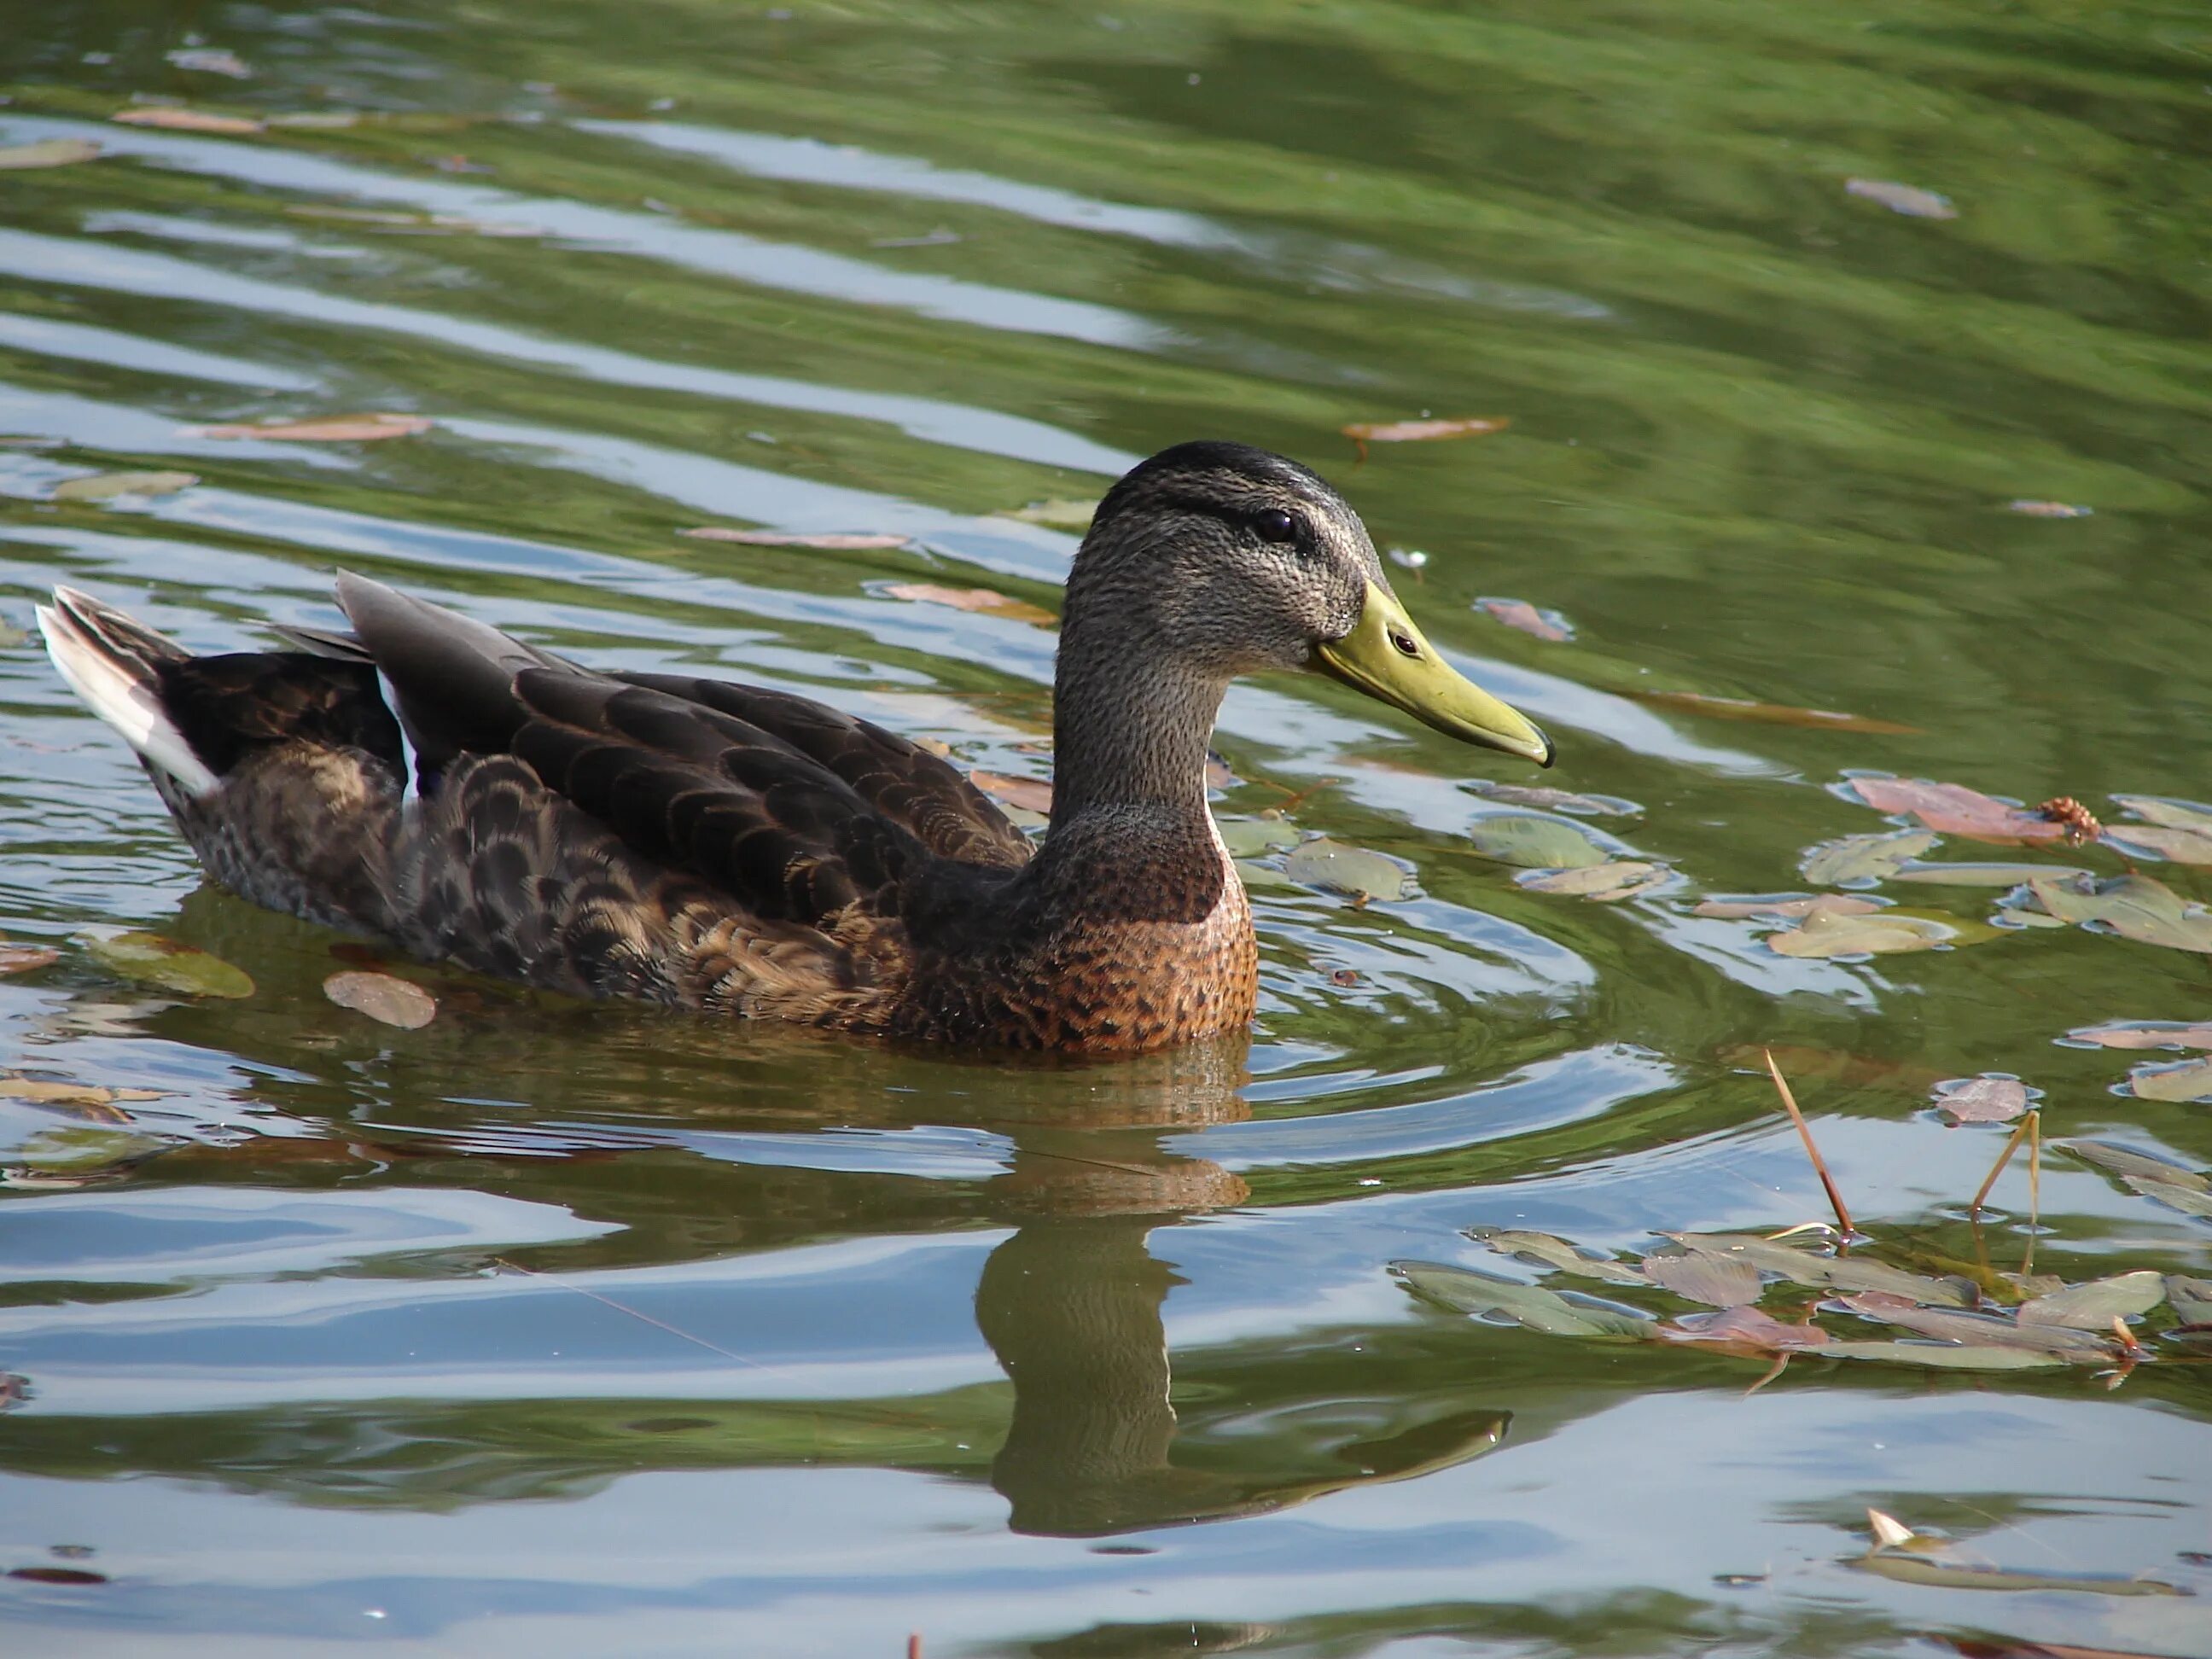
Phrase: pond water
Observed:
(579, 1330)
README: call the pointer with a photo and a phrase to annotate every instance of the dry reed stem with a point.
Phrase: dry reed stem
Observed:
(1805, 1134)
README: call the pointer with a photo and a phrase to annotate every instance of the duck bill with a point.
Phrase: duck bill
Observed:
(1388, 658)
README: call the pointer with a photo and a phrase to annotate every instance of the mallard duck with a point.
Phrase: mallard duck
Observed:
(430, 780)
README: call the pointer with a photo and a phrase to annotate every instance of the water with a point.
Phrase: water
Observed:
(585, 1330)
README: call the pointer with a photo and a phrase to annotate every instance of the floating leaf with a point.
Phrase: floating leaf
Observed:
(1547, 799)
(1908, 199)
(2174, 814)
(832, 543)
(1737, 906)
(1862, 860)
(2192, 1200)
(381, 997)
(1519, 613)
(1975, 1330)
(2135, 907)
(1532, 1305)
(1723, 1281)
(1981, 875)
(329, 430)
(1337, 868)
(157, 960)
(47, 1092)
(1031, 794)
(983, 601)
(212, 60)
(1555, 1252)
(1985, 1099)
(2093, 1306)
(174, 119)
(1415, 431)
(1248, 838)
(47, 153)
(105, 486)
(1534, 842)
(1054, 513)
(1953, 809)
(1769, 714)
(1804, 1266)
(1825, 936)
(2189, 1079)
(1604, 884)
(59, 1574)
(2181, 846)
(2192, 1299)
(2049, 509)
(22, 958)
(1889, 1532)
(2126, 1161)
(1745, 1329)
(1945, 1356)
(1943, 1575)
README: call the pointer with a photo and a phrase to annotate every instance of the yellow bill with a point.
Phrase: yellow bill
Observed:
(1385, 656)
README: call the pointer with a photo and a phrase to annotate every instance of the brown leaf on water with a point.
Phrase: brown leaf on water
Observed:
(1555, 1252)
(983, 601)
(1031, 794)
(175, 119)
(1980, 1329)
(48, 1092)
(2092, 1306)
(154, 960)
(1825, 935)
(106, 486)
(1744, 1330)
(2125, 1162)
(58, 1575)
(1414, 432)
(2144, 1034)
(383, 998)
(1720, 1281)
(1780, 905)
(2188, 1080)
(1770, 714)
(835, 543)
(212, 60)
(327, 429)
(1602, 883)
(47, 153)
(2190, 1201)
(1984, 1099)
(1862, 860)
(22, 958)
(2174, 814)
(2049, 509)
(2178, 845)
(1908, 199)
(1953, 809)
(1519, 613)
(2135, 907)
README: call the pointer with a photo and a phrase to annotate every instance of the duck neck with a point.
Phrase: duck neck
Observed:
(1131, 745)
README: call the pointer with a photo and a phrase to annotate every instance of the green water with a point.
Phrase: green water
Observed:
(570, 1329)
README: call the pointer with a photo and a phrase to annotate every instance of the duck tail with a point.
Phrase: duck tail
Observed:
(117, 664)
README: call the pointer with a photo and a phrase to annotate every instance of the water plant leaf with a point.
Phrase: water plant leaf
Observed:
(1944, 1575)
(828, 544)
(1981, 875)
(1952, 809)
(1054, 513)
(174, 118)
(154, 960)
(2126, 1161)
(52, 1092)
(1862, 860)
(1804, 1267)
(982, 601)
(1248, 838)
(1770, 714)
(2135, 907)
(2144, 1034)
(2093, 1306)
(1519, 613)
(2180, 846)
(1786, 905)
(1744, 1330)
(1531, 1305)
(1534, 842)
(1336, 867)
(1031, 794)
(384, 998)
(1944, 1356)
(105, 486)
(1908, 199)
(2192, 1299)
(1722, 1281)
(1555, 1252)
(212, 60)
(1606, 884)
(2035, 509)
(1414, 432)
(1988, 1098)
(1981, 1330)
(47, 153)
(2190, 1201)
(22, 958)
(1889, 1533)
(327, 429)
(1547, 799)
(2166, 810)
(2184, 1080)
(1825, 935)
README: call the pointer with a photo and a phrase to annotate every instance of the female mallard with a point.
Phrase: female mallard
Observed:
(723, 846)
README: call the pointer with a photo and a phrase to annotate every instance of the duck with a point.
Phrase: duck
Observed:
(425, 780)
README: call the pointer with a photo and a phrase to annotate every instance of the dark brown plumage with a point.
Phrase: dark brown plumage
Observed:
(741, 850)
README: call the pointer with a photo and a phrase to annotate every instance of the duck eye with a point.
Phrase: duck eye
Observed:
(1275, 525)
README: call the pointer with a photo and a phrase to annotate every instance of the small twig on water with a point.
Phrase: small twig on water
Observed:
(2034, 1189)
(1997, 1168)
(623, 1307)
(1805, 1134)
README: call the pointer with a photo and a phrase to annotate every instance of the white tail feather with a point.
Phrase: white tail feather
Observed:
(122, 699)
